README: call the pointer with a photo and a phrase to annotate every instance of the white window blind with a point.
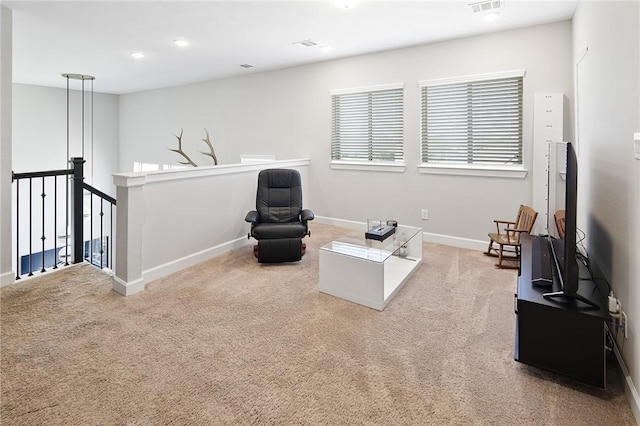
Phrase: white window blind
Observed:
(475, 121)
(367, 124)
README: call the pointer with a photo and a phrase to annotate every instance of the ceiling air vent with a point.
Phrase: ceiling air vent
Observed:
(484, 6)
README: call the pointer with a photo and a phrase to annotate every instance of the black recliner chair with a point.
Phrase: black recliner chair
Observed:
(279, 222)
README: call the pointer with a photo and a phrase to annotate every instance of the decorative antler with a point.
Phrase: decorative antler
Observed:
(181, 152)
(212, 154)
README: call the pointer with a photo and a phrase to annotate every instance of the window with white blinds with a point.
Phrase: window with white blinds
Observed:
(367, 124)
(473, 120)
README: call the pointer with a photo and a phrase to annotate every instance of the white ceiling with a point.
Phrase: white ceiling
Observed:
(97, 37)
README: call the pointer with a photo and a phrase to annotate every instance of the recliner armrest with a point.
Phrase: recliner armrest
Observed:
(253, 217)
(306, 215)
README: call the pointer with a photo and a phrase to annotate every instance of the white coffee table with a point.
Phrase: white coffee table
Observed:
(369, 272)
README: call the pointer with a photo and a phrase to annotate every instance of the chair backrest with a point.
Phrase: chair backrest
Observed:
(525, 219)
(279, 197)
(559, 219)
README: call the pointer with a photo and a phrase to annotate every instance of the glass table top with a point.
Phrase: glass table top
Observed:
(354, 244)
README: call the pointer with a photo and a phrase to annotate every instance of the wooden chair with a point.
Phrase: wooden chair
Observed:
(558, 217)
(508, 234)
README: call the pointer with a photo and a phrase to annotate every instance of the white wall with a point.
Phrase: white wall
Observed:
(40, 131)
(608, 92)
(6, 273)
(287, 113)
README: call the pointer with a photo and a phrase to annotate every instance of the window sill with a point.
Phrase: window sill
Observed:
(368, 166)
(484, 171)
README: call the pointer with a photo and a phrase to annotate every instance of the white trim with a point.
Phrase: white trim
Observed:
(7, 278)
(377, 88)
(371, 166)
(629, 389)
(127, 288)
(472, 170)
(343, 223)
(176, 265)
(449, 240)
(129, 180)
(472, 78)
(141, 178)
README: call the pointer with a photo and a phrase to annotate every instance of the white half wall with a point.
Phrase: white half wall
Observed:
(169, 220)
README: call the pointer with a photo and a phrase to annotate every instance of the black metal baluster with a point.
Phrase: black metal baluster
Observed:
(17, 229)
(101, 230)
(66, 227)
(30, 224)
(91, 228)
(43, 195)
(55, 221)
(110, 246)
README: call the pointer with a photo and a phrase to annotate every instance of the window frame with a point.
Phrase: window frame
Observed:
(472, 169)
(397, 165)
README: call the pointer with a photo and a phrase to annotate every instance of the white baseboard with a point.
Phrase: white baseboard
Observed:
(168, 268)
(449, 240)
(343, 223)
(7, 278)
(127, 288)
(629, 388)
(426, 236)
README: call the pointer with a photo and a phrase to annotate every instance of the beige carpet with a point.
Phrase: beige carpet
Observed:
(234, 342)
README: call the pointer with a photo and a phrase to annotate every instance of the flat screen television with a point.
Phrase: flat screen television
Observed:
(563, 196)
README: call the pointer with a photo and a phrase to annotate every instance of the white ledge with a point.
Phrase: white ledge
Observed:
(465, 170)
(368, 166)
(141, 178)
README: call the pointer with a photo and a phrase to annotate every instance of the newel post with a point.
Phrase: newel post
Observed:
(77, 209)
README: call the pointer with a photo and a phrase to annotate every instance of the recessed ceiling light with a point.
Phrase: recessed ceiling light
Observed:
(491, 16)
(346, 4)
(325, 48)
(181, 43)
(246, 66)
(137, 55)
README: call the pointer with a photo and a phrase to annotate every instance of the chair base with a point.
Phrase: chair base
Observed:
(504, 254)
(500, 264)
(280, 250)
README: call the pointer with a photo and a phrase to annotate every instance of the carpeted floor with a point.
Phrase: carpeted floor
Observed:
(234, 342)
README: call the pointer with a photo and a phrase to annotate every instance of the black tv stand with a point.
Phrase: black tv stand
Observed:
(564, 334)
(576, 296)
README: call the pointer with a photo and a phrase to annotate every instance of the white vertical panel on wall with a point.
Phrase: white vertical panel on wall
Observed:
(547, 127)
(6, 35)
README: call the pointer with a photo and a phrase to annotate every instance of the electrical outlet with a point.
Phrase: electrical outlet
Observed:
(425, 214)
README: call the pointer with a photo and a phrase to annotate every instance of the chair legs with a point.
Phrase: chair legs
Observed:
(488, 252)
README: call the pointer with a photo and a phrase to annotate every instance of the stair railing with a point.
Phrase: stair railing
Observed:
(65, 189)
